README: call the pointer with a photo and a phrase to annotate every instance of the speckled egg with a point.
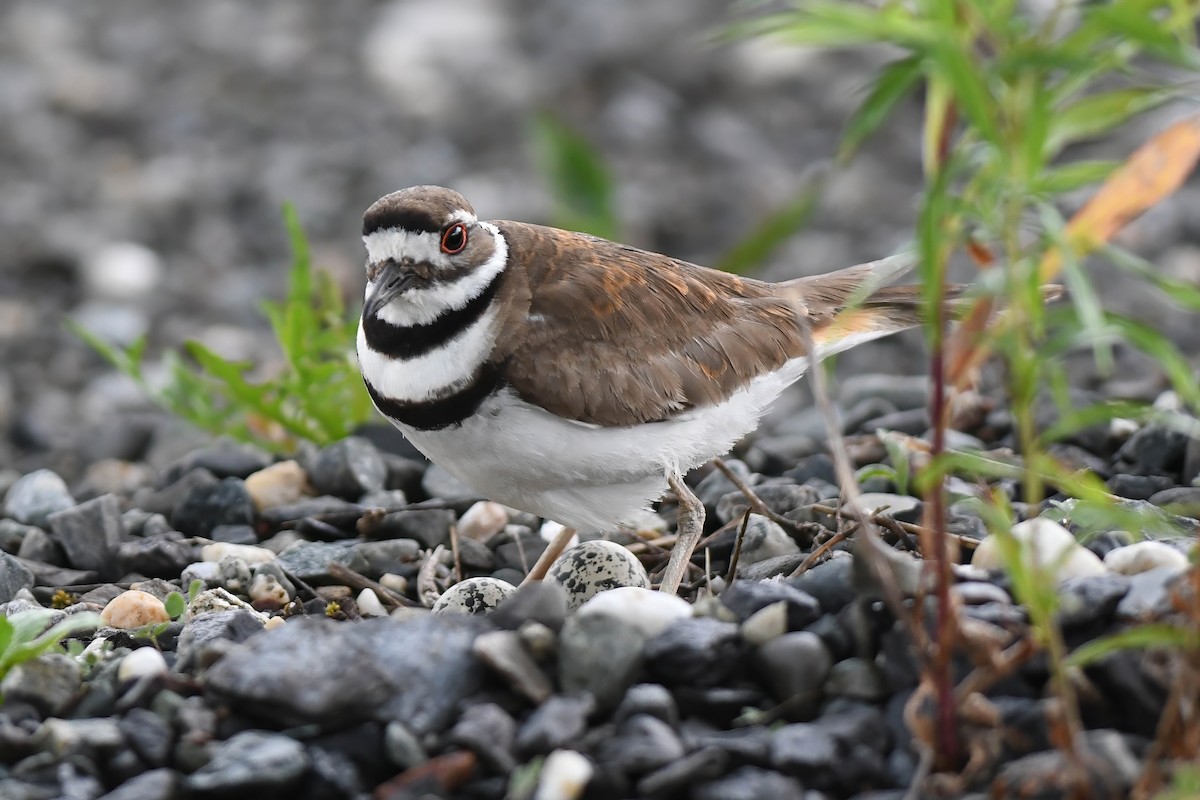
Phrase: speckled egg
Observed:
(592, 567)
(473, 596)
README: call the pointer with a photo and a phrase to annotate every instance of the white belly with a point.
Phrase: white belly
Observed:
(586, 476)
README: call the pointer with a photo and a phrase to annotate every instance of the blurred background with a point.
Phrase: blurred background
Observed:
(147, 148)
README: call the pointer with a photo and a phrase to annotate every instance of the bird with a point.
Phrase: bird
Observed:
(577, 378)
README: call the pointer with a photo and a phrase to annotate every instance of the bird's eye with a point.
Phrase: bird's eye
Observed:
(454, 239)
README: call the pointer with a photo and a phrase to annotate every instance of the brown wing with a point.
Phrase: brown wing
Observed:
(617, 335)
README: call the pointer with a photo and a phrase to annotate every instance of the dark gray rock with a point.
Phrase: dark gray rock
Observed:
(517, 547)
(1149, 595)
(90, 533)
(869, 408)
(309, 561)
(829, 582)
(14, 576)
(1090, 600)
(208, 636)
(902, 391)
(819, 467)
(155, 784)
(50, 683)
(161, 556)
(559, 722)
(348, 468)
(715, 485)
(1110, 765)
(1181, 500)
(542, 601)
(234, 534)
(751, 783)
(34, 497)
(251, 761)
(642, 743)
(208, 505)
(698, 651)
(224, 459)
(1138, 487)
(12, 534)
(1155, 450)
(770, 567)
(679, 774)
(857, 679)
(150, 736)
(36, 545)
(506, 654)
(779, 497)
(650, 699)
(429, 526)
(803, 749)
(751, 744)
(1105, 542)
(487, 730)
(794, 664)
(600, 655)
(388, 555)
(745, 597)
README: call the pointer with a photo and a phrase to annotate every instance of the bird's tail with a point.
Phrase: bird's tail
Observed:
(853, 305)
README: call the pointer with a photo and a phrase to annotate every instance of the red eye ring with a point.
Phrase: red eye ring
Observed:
(454, 240)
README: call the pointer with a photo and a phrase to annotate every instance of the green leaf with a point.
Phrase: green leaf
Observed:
(194, 590)
(970, 89)
(175, 605)
(841, 24)
(894, 82)
(1138, 638)
(6, 636)
(1099, 113)
(1069, 177)
(757, 246)
(578, 178)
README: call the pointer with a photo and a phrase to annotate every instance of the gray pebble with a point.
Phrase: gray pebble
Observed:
(751, 783)
(251, 761)
(488, 731)
(34, 497)
(745, 597)
(697, 651)
(49, 682)
(309, 561)
(648, 698)
(14, 576)
(794, 664)
(599, 655)
(642, 744)
(90, 533)
(857, 679)
(349, 468)
(211, 504)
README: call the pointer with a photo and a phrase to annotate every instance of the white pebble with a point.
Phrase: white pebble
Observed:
(133, 609)
(369, 605)
(769, 622)
(274, 622)
(206, 571)
(1144, 556)
(473, 596)
(247, 552)
(219, 600)
(648, 611)
(140, 663)
(266, 588)
(564, 776)
(1049, 545)
(592, 567)
(551, 529)
(397, 583)
(482, 521)
(122, 271)
(277, 485)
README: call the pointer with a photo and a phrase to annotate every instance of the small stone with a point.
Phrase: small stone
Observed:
(155, 784)
(803, 749)
(14, 576)
(651, 699)
(829, 582)
(369, 605)
(394, 582)
(1138, 487)
(217, 599)
(49, 683)
(745, 597)
(642, 744)
(1110, 768)
(540, 601)
(697, 651)
(34, 497)
(403, 748)
(349, 468)
(506, 655)
(681, 773)
(133, 609)
(38, 546)
(897, 506)
(163, 556)
(715, 485)
(473, 596)
(1143, 556)
(1049, 545)
(649, 611)
(251, 761)
(592, 567)
(208, 505)
(1149, 595)
(61, 737)
(858, 679)
(765, 624)
(251, 554)
(203, 571)
(482, 521)
(428, 526)
(1181, 500)
(488, 731)
(222, 459)
(564, 776)
(89, 533)
(1155, 450)
(600, 655)
(765, 539)
(974, 593)
(234, 534)
(266, 591)
(779, 497)
(309, 561)
(1090, 600)
(234, 575)
(207, 635)
(794, 664)
(280, 484)
(388, 555)
(751, 783)
(141, 663)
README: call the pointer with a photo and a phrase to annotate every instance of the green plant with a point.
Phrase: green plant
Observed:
(316, 396)
(1006, 96)
(24, 636)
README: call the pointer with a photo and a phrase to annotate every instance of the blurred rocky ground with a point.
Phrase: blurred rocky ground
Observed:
(147, 148)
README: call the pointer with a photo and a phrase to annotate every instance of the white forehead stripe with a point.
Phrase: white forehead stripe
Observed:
(396, 243)
(423, 306)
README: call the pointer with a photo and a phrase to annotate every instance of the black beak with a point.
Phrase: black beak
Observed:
(392, 282)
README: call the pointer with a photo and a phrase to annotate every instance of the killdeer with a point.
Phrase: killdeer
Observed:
(577, 378)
